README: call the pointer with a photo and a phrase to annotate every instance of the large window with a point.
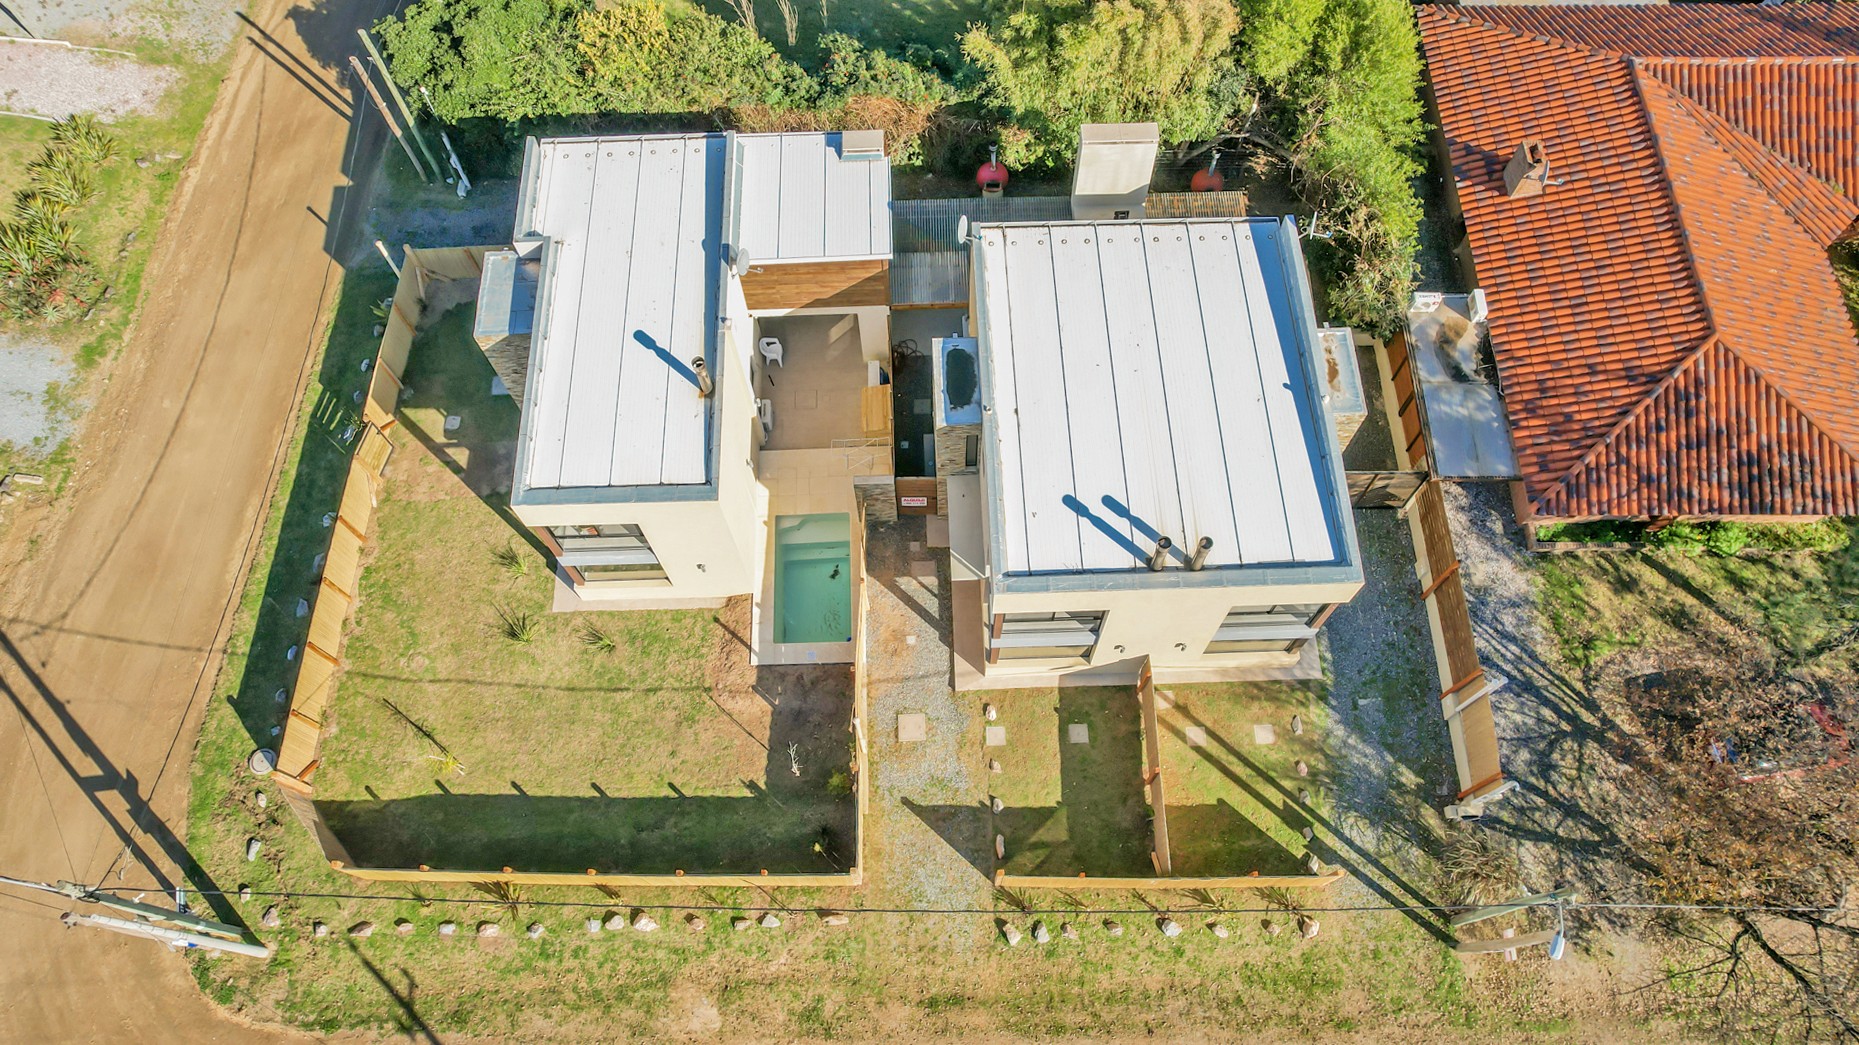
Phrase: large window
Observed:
(1045, 636)
(614, 552)
(1282, 628)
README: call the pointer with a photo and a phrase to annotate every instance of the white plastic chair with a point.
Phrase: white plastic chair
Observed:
(765, 409)
(772, 351)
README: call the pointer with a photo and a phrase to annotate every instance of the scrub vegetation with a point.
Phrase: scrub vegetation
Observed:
(1325, 88)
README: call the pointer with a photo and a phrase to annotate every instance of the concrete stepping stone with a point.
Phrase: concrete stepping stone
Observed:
(1078, 733)
(912, 727)
(1197, 736)
(996, 736)
(1264, 733)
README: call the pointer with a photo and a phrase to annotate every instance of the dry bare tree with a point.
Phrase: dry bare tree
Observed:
(790, 20)
(745, 10)
(1748, 799)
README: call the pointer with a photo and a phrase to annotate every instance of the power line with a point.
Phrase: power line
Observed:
(1197, 909)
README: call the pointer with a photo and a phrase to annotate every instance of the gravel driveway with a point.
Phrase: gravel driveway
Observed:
(47, 80)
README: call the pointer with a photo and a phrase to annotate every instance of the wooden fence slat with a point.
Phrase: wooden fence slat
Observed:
(1299, 881)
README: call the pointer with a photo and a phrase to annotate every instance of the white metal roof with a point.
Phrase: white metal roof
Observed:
(804, 200)
(628, 299)
(1154, 379)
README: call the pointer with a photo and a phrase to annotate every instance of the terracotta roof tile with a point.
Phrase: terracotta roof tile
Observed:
(1677, 234)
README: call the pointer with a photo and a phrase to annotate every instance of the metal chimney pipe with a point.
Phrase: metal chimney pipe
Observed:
(705, 385)
(1199, 558)
(1159, 557)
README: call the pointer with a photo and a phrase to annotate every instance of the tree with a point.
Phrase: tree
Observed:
(1050, 66)
(1342, 81)
(1781, 850)
(508, 59)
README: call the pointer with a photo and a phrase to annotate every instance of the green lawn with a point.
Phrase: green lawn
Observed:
(1233, 802)
(474, 729)
(1071, 808)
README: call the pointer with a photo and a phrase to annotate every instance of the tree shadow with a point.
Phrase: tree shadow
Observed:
(408, 1021)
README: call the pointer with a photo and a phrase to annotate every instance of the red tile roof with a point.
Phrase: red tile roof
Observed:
(1668, 330)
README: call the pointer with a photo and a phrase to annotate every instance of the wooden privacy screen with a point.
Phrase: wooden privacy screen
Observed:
(817, 284)
(1464, 686)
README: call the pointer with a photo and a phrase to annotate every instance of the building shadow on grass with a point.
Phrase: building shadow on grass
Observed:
(1331, 844)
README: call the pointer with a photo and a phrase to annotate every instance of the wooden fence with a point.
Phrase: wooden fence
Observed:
(321, 659)
(1159, 853)
(1465, 687)
(1162, 853)
(1410, 438)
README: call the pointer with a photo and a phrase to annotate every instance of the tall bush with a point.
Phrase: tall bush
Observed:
(1343, 77)
(1050, 66)
(45, 274)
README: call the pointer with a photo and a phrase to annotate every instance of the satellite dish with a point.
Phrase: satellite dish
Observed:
(961, 230)
(740, 263)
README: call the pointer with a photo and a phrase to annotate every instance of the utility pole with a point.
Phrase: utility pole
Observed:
(393, 90)
(175, 928)
(393, 125)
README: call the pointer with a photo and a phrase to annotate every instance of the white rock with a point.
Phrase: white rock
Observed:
(988, 710)
(739, 924)
(362, 929)
(270, 919)
(694, 922)
(643, 923)
(535, 931)
(593, 925)
(1011, 934)
(1217, 929)
(769, 921)
(1307, 925)
(835, 918)
(1112, 927)
(1068, 930)
(448, 928)
(993, 766)
(995, 803)
(403, 927)
(1302, 768)
(1040, 933)
(245, 894)
(319, 930)
(1168, 926)
(252, 845)
(488, 929)
(615, 922)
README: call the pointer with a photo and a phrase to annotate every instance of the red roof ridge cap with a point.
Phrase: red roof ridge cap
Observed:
(1711, 339)
(1640, 79)
(1461, 14)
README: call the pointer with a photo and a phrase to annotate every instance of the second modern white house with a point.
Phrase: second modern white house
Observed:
(1138, 456)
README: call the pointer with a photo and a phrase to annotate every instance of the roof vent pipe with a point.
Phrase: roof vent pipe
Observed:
(1199, 558)
(705, 386)
(1159, 557)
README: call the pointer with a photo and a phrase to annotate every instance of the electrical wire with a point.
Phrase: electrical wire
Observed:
(969, 911)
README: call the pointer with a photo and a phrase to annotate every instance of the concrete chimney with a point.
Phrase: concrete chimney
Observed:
(1527, 173)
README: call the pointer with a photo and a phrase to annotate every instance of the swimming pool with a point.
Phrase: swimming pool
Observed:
(813, 578)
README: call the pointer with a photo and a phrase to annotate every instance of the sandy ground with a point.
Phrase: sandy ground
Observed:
(115, 603)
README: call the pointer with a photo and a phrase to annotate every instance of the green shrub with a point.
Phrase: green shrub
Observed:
(1824, 535)
(1050, 66)
(839, 784)
(1726, 538)
(45, 274)
(1600, 531)
(1682, 535)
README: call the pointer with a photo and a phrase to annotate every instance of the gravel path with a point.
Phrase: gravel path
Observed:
(927, 822)
(1553, 735)
(45, 80)
(26, 371)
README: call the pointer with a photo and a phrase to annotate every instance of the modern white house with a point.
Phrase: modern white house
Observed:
(1159, 474)
(1139, 456)
(691, 324)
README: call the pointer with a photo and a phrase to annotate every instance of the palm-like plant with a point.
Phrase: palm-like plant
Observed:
(85, 139)
(62, 178)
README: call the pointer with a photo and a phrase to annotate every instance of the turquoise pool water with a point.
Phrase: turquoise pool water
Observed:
(813, 578)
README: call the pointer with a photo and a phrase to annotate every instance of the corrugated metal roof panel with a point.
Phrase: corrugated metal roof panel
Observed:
(1154, 379)
(803, 200)
(634, 229)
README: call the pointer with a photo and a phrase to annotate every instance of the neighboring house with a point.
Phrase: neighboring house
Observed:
(698, 330)
(1649, 194)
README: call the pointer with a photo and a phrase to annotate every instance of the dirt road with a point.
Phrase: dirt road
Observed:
(112, 618)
